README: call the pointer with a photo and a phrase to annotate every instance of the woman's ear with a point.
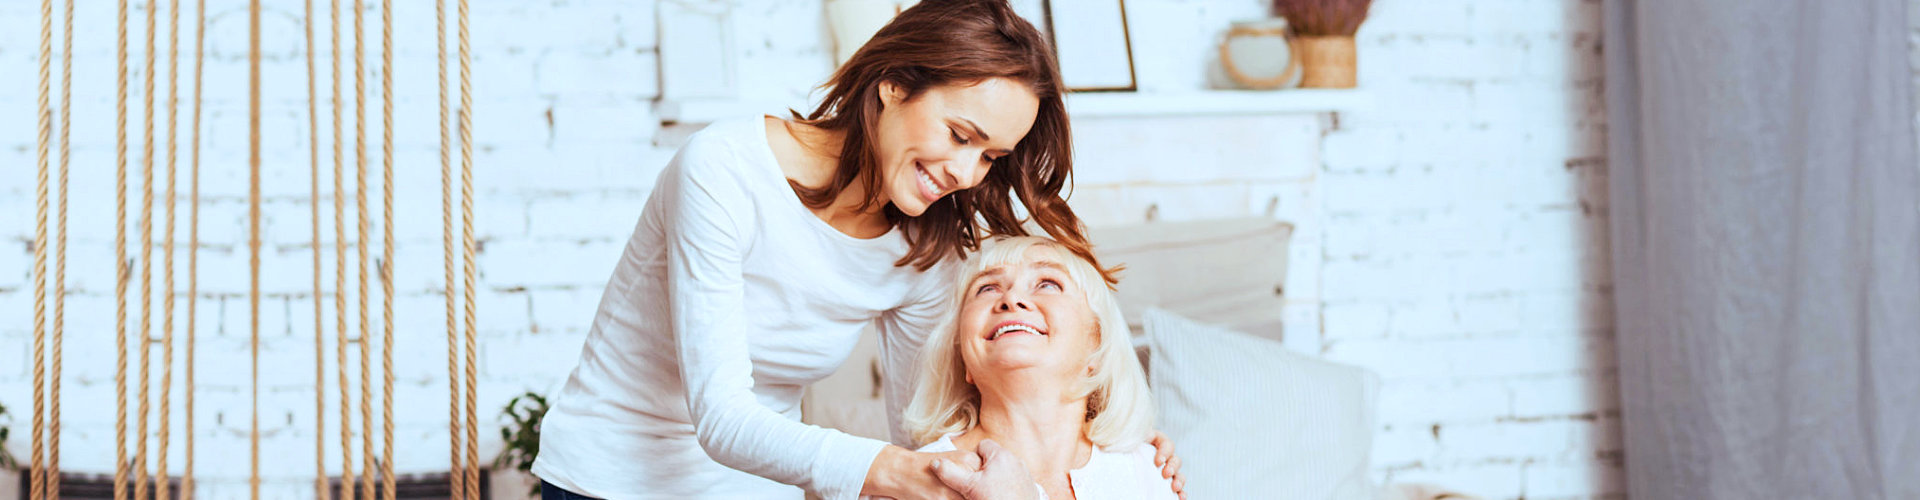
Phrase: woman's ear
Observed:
(969, 378)
(889, 94)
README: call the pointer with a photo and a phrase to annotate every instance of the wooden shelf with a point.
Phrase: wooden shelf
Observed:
(1083, 105)
(1216, 102)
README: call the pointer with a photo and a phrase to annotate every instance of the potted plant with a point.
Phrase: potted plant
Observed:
(521, 433)
(9, 468)
(1324, 31)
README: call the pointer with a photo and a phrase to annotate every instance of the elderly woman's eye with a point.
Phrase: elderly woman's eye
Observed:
(983, 289)
(1050, 283)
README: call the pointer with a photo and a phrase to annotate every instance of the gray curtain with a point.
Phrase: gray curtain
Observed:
(1765, 201)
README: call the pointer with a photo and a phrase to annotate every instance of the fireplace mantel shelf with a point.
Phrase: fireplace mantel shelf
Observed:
(1096, 105)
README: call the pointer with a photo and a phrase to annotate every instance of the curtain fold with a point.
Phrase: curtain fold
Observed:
(1765, 211)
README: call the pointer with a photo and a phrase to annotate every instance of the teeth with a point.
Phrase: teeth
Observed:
(1013, 327)
(927, 181)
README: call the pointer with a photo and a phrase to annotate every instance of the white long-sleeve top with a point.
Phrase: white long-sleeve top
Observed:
(730, 298)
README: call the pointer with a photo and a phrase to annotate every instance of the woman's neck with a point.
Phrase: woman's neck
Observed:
(1046, 431)
(812, 160)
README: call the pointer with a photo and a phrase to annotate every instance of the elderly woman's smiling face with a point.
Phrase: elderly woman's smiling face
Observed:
(1026, 315)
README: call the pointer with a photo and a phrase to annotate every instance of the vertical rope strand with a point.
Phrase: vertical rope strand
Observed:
(386, 247)
(120, 263)
(319, 356)
(253, 238)
(37, 490)
(458, 478)
(161, 482)
(146, 261)
(193, 237)
(52, 474)
(467, 248)
(360, 240)
(340, 268)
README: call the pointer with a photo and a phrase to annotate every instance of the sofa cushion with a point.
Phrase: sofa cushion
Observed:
(1226, 271)
(1250, 417)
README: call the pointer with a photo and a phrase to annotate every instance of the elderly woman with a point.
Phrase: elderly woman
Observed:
(1037, 364)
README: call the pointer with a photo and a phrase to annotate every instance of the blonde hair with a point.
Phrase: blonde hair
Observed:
(1119, 408)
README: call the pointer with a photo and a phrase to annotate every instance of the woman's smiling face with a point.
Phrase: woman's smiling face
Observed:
(944, 139)
(1028, 314)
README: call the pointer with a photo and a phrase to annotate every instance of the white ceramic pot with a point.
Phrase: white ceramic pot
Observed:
(10, 484)
(510, 484)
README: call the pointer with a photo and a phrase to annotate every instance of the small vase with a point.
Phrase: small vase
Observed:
(1257, 55)
(1328, 61)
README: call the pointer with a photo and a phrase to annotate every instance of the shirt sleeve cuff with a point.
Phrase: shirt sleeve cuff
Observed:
(841, 469)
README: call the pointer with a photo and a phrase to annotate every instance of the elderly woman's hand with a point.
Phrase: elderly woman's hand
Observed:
(905, 475)
(1169, 464)
(1001, 476)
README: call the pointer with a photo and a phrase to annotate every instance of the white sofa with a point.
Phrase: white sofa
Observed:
(1283, 422)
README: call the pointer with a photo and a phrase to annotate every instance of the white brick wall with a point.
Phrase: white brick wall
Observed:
(1465, 247)
(1451, 239)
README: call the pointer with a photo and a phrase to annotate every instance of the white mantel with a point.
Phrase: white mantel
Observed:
(699, 110)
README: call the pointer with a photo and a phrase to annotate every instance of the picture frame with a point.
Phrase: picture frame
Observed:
(1095, 49)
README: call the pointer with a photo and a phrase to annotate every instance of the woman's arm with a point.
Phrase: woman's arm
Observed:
(707, 213)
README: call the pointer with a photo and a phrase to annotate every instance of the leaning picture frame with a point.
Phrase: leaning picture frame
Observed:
(1090, 40)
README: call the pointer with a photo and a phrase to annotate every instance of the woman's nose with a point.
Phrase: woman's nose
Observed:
(963, 174)
(1010, 302)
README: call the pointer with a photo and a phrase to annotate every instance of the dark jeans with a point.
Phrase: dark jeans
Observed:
(550, 492)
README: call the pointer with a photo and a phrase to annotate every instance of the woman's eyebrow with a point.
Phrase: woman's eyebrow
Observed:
(996, 271)
(1048, 264)
(976, 128)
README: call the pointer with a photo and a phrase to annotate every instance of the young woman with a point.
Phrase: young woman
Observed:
(767, 245)
(1037, 360)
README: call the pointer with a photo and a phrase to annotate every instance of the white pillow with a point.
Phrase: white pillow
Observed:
(1227, 270)
(1250, 418)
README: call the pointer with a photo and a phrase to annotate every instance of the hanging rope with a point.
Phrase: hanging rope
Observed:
(253, 235)
(37, 489)
(166, 325)
(146, 261)
(319, 358)
(120, 264)
(467, 249)
(458, 476)
(193, 237)
(386, 247)
(360, 239)
(340, 269)
(52, 474)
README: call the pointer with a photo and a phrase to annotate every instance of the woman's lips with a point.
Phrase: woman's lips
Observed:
(1014, 328)
(929, 189)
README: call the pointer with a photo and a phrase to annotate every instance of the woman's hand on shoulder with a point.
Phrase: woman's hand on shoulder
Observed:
(909, 475)
(1169, 464)
(1000, 476)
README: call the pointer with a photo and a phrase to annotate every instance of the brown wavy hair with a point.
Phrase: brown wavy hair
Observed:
(941, 42)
